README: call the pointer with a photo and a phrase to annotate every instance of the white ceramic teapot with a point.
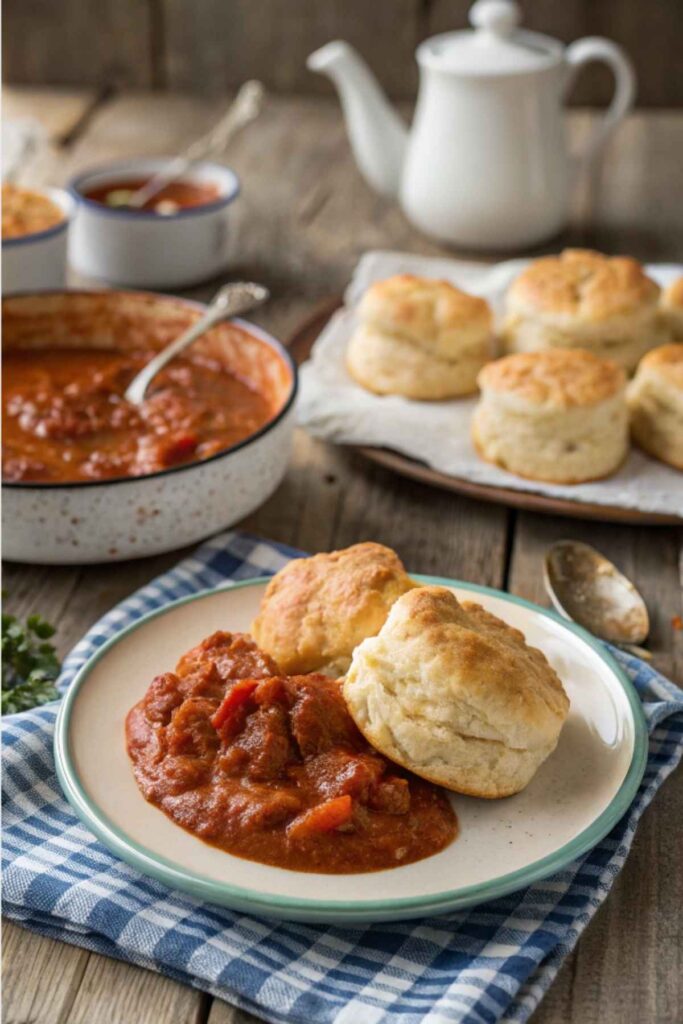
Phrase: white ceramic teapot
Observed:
(485, 164)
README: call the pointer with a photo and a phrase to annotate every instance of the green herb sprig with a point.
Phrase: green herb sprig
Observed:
(29, 663)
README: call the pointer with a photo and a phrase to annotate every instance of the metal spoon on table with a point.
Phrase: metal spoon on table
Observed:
(231, 300)
(587, 588)
(245, 107)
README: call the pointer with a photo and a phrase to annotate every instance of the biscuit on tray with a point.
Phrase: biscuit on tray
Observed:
(672, 307)
(558, 415)
(655, 398)
(420, 338)
(582, 299)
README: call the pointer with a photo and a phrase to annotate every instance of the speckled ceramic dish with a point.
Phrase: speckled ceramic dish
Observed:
(110, 520)
(576, 797)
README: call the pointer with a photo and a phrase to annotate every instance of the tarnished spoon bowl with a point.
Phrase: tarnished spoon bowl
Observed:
(587, 588)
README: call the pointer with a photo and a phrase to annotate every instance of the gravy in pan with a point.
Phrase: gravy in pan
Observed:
(65, 417)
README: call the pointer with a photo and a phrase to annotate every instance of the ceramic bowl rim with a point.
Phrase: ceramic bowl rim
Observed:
(76, 183)
(259, 332)
(164, 870)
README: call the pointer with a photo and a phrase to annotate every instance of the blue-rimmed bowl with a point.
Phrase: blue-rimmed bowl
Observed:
(131, 517)
(143, 249)
(38, 260)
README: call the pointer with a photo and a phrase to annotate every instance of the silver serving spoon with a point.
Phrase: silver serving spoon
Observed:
(231, 300)
(245, 107)
(587, 588)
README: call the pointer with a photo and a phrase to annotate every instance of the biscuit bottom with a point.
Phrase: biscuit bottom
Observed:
(389, 365)
(564, 446)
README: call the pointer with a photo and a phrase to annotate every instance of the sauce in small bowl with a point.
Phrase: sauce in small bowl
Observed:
(175, 196)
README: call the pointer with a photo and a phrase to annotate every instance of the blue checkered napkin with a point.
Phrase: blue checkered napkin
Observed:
(490, 963)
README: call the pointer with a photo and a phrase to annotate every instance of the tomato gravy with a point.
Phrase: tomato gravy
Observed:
(272, 768)
(65, 418)
(177, 195)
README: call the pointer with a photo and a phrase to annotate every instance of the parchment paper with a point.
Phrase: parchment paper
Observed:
(334, 408)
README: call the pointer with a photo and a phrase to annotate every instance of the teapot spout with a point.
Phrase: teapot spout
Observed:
(377, 134)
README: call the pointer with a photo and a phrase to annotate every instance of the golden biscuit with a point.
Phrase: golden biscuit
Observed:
(582, 299)
(452, 693)
(316, 610)
(558, 415)
(420, 338)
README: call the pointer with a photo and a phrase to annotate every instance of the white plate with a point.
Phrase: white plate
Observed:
(576, 797)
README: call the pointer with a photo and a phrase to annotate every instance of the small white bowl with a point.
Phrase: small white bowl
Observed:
(38, 261)
(143, 249)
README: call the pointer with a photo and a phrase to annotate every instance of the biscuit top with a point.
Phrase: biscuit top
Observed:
(315, 611)
(559, 377)
(667, 361)
(582, 284)
(463, 663)
(420, 308)
(673, 295)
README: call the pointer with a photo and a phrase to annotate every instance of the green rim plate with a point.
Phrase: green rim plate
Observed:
(336, 911)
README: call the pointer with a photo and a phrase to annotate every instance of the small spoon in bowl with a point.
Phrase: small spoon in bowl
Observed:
(245, 108)
(587, 588)
(229, 301)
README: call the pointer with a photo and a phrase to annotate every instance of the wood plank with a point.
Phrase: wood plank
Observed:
(118, 993)
(332, 498)
(72, 598)
(215, 45)
(40, 977)
(641, 170)
(68, 42)
(56, 112)
(224, 1013)
(55, 109)
(650, 34)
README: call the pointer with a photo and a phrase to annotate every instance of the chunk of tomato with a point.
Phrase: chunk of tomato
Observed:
(230, 714)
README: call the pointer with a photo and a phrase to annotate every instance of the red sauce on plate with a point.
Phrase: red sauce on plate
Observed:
(177, 195)
(272, 768)
(65, 418)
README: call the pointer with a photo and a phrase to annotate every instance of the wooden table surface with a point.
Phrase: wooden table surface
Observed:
(303, 220)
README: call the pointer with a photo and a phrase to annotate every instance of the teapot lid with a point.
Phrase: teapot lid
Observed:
(495, 47)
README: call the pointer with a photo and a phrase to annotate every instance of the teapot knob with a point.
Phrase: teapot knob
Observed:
(500, 17)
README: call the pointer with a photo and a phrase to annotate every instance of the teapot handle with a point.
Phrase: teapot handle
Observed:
(585, 51)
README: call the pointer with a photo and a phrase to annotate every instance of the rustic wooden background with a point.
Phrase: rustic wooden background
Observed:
(209, 46)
